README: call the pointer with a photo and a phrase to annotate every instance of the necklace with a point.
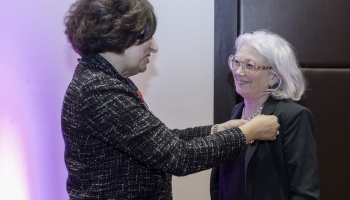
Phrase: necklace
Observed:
(252, 116)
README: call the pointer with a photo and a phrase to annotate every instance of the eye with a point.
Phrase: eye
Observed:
(250, 66)
(236, 62)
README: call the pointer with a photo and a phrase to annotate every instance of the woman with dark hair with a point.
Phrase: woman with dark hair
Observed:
(267, 75)
(115, 148)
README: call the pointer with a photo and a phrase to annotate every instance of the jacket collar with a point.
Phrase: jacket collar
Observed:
(269, 106)
(97, 61)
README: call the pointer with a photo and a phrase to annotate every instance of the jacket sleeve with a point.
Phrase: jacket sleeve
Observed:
(300, 152)
(191, 133)
(115, 115)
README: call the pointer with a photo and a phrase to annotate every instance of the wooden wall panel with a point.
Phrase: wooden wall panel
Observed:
(320, 33)
(226, 12)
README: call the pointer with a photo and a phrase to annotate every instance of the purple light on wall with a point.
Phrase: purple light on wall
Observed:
(34, 74)
(13, 158)
(13, 172)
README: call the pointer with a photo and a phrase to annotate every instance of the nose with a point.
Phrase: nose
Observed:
(154, 47)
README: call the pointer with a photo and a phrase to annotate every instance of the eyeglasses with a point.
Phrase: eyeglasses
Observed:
(248, 66)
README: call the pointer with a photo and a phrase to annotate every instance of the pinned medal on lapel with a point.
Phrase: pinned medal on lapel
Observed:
(140, 95)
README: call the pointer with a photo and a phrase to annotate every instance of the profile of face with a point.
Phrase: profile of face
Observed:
(137, 56)
(252, 76)
(134, 59)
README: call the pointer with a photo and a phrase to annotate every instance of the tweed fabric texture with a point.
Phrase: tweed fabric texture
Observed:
(115, 148)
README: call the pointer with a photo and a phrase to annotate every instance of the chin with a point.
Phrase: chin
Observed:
(143, 69)
(238, 90)
(240, 93)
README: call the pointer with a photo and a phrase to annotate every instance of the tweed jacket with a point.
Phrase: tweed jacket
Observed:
(115, 148)
(284, 169)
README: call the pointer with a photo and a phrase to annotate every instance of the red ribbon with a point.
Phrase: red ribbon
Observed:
(140, 95)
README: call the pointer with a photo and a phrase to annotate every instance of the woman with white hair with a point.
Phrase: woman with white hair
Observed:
(267, 75)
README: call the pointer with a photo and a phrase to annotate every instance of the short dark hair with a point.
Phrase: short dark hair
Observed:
(98, 26)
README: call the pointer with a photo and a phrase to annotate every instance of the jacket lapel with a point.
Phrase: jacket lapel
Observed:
(268, 109)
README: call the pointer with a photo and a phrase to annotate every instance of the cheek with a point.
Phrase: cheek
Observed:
(261, 84)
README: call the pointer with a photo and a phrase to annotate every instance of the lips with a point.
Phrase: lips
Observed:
(147, 57)
(242, 82)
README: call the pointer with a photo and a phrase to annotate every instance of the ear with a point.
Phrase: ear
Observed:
(273, 80)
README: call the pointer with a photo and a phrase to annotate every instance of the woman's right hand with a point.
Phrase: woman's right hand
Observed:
(261, 127)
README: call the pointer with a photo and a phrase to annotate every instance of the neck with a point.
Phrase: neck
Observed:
(116, 61)
(253, 105)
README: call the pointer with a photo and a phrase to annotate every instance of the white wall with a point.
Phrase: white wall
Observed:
(178, 84)
(36, 65)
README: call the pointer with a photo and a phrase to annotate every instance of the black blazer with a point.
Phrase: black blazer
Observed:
(284, 169)
(115, 148)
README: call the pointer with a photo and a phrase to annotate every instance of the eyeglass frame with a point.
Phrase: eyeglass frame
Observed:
(231, 60)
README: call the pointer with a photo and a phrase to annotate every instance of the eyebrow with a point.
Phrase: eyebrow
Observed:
(245, 60)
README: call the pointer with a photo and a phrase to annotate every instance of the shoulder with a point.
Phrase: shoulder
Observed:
(91, 85)
(92, 78)
(290, 107)
(292, 111)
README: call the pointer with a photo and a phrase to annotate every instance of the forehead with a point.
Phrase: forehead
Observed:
(248, 52)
